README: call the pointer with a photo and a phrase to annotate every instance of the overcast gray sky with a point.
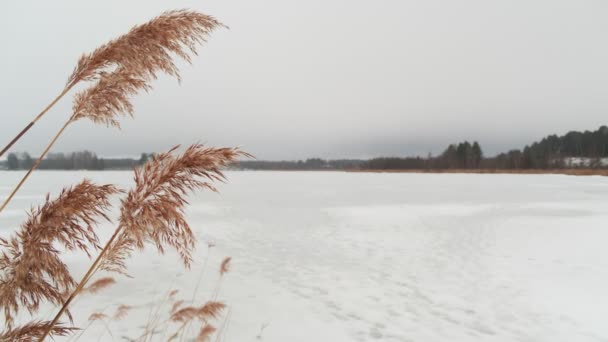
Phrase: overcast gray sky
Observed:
(331, 78)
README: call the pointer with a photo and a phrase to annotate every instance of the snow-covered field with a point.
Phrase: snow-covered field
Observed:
(331, 256)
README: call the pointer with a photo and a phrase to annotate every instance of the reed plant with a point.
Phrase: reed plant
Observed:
(121, 68)
(151, 213)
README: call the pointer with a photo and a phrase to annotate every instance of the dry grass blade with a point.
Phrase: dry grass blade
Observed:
(225, 266)
(34, 330)
(32, 270)
(99, 285)
(153, 211)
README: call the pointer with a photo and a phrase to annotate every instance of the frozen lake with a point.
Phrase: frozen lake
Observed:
(331, 256)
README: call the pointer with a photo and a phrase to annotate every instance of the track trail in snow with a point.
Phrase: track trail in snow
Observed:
(383, 257)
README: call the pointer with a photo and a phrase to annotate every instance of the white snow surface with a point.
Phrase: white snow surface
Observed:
(334, 256)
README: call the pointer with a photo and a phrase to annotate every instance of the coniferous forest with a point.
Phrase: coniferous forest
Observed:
(572, 150)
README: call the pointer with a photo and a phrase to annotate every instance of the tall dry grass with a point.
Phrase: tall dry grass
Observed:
(153, 211)
(32, 270)
(138, 55)
(124, 67)
(150, 214)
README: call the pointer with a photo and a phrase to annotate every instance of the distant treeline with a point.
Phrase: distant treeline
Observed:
(584, 149)
(84, 160)
(572, 150)
(587, 149)
(308, 164)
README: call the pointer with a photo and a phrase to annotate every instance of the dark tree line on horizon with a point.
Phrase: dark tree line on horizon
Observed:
(552, 152)
(83, 160)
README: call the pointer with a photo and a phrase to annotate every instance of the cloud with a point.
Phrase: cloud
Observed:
(330, 78)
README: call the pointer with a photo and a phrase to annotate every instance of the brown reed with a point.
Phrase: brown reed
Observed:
(146, 49)
(173, 293)
(99, 285)
(34, 330)
(96, 316)
(125, 66)
(121, 312)
(185, 316)
(141, 54)
(211, 310)
(205, 333)
(32, 270)
(176, 305)
(225, 266)
(153, 211)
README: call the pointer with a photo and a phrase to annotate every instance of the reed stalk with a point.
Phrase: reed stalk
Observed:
(34, 166)
(87, 276)
(33, 122)
(123, 67)
(160, 187)
(152, 213)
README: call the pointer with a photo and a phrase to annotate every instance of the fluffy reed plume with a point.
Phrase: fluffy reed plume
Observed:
(125, 66)
(211, 310)
(225, 266)
(32, 270)
(121, 312)
(99, 285)
(32, 331)
(176, 305)
(146, 49)
(172, 294)
(153, 211)
(205, 333)
(136, 58)
(186, 316)
(108, 99)
(96, 316)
